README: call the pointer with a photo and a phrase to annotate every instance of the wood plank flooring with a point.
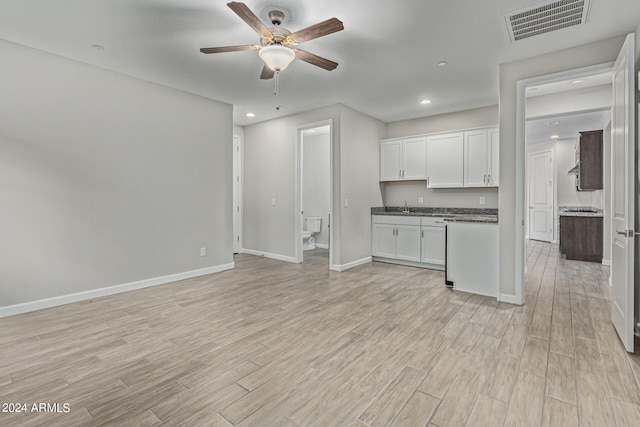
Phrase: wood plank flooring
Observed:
(278, 344)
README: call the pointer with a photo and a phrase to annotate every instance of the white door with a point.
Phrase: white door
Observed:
(390, 160)
(236, 194)
(414, 158)
(445, 155)
(623, 188)
(475, 158)
(408, 242)
(541, 196)
(384, 240)
(494, 157)
(433, 244)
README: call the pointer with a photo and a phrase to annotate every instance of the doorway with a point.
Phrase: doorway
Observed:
(314, 233)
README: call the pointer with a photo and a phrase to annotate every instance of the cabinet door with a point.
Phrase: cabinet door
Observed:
(494, 157)
(390, 160)
(414, 158)
(445, 160)
(383, 242)
(433, 246)
(475, 158)
(408, 242)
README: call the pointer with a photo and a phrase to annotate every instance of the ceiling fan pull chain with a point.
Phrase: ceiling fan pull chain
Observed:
(275, 91)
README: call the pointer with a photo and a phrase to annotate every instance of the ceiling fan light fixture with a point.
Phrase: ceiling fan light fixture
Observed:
(277, 57)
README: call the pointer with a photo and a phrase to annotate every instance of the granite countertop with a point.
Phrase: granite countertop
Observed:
(580, 211)
(448, 214)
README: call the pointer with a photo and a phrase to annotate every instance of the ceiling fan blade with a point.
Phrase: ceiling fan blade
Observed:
(320, 29)
(250, 18)
(229, 48)
(316, 60)
(267, 73)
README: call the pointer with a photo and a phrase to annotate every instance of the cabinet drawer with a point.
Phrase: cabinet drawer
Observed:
(395, 219)
(433, 221)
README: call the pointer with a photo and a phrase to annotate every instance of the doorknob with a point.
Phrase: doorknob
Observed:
(628, 233)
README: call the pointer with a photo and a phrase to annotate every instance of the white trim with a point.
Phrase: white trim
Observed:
(26, 307)
(277, 257)
(322, 245)
(606, 262)
(343, 267)
(510, 299)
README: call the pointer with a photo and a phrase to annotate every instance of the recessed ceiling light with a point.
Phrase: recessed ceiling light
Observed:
(553, 123)
(250, 115)
(425, 101)
(97, 47)
(575, 82)
(554, 136)
(442, 63)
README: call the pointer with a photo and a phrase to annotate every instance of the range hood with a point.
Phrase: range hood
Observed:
(574, 170)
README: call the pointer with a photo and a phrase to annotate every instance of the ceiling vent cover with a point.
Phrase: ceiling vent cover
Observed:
(546, 17)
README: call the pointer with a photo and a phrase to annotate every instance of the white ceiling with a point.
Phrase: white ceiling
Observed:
(388, 51)
(565, 126)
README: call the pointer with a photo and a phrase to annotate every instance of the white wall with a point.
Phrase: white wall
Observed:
(563, 60)
(359, 135)
(587, 99)
(270, 172)
(269, 165)
(316, 181)
(395, 193)
(105, 179)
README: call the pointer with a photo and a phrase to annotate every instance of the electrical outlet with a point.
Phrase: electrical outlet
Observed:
(203, 251)
(420, 200)
(482, 200)
(346, 203)
(273, 201)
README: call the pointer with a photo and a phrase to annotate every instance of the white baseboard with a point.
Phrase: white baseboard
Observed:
(269, 255)
(511, 299)
(26, 307)
(606, 261)
(322, 245)
(343, 267)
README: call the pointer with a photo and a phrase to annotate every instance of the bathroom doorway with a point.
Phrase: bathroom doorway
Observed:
(314, 230)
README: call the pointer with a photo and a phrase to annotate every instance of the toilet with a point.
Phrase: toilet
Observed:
(311, 227)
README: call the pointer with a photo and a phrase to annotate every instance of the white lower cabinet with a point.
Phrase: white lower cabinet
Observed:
(396, 237)
(433, 241)
(417, 241)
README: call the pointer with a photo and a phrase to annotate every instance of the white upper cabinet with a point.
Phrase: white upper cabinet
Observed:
(390, 160)
(445, 160)
(481, 158)
(494, 157)
(403, 159)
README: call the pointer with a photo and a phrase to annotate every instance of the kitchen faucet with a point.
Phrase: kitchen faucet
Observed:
(406, 207)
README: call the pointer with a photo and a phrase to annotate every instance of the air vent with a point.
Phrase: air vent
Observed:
(546, 17)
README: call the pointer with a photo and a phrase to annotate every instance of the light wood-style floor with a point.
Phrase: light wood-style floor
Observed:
(274, 343)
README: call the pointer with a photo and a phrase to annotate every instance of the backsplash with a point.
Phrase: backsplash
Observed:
(395, 194)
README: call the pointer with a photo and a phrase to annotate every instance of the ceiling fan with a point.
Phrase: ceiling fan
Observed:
(275, 42)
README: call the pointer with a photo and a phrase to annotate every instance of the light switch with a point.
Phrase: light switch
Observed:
(273, 201)
(482, 200)
(346, 203)
(421, 200)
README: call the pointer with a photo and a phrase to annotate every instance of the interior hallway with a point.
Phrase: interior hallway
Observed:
(275, 343)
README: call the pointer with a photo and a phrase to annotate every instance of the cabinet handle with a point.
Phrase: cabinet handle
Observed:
(422, 234)
(489, 179)
(427, 181)
(485, 180)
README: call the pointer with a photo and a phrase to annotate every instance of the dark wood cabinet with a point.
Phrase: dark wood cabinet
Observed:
(581, 238)
(589, 155)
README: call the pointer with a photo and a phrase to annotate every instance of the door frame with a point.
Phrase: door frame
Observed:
(521, 87)
(299, 222)
(237, 190)
(553, 195)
